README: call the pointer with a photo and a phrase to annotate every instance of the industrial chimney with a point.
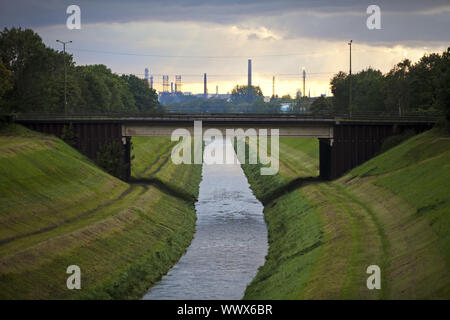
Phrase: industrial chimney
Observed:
(304, 81)
(205, 86)
(249, 73)
(146, 75)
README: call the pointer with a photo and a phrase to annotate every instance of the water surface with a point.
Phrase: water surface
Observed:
(230, 242)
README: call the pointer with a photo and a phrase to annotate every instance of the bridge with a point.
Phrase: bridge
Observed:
(344, 142)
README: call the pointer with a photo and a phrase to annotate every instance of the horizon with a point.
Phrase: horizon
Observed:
(191, 38)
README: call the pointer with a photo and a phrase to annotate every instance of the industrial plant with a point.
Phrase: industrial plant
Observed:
(171, 88)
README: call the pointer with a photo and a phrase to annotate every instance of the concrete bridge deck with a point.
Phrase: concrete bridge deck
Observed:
(344, 142)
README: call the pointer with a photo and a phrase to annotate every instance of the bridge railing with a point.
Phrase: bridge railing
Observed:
(187, 116)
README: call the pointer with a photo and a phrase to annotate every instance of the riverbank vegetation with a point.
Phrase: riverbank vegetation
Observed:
(60, 209)
(391, 211)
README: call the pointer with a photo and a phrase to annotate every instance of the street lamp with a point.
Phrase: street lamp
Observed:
(65, 73)
(350, 79)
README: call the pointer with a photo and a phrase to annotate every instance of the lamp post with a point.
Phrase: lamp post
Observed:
(65, 73)
(350, 79)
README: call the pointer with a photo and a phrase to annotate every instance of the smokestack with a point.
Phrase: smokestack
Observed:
(177, 83)
(304, 81)
(205, 86)
(165, 83)
(273, 86)
(151, 82)
(171, 87)
(146, 75)
(249, 73)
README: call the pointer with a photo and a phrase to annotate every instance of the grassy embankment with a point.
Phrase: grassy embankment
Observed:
(59, 209)
(152, 163)
(391, 211)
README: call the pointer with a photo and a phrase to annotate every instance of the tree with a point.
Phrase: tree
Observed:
(286, 98)
(321, 105)
(340, 89)
(241, 94)
(301, 104)
(398, 88)
(32, 80)
(5, 84)
(442, 85)
(145, 97)
(104, 91)
(367, 92)
(422, 76)
(36, 71)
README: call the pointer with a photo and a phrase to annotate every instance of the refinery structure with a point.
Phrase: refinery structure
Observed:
(171, 88)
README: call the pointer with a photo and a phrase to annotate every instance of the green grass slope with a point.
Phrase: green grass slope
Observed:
(392, 212)
(152, 160)
(299, 158)
(58, 209)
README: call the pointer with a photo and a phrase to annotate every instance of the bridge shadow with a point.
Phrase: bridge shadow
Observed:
(164, 187)
(289, 187)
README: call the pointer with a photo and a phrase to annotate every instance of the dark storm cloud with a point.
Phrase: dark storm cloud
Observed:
(401, 20)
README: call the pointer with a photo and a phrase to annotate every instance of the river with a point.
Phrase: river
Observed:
(229, 244)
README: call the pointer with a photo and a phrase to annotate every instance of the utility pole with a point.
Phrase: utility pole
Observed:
(65, 73)
(350, 79)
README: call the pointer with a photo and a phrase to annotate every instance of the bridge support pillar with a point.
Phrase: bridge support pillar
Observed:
(354, 144)
(91, 138)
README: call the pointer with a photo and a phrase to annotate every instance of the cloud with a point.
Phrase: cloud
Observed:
(190, 49)
(402, 20)
(191, 37)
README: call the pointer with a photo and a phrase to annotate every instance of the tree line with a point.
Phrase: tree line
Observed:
(243, 99)
(32, 80)
(408, 88)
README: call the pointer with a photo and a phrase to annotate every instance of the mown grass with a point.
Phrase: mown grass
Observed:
(152, 160)
(298, 159)
(392, 211)
(59, 209)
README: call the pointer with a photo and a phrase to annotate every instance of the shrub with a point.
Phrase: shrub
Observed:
(68, 135)
(111, 157)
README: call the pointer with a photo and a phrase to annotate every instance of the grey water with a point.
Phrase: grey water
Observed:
(230, 242)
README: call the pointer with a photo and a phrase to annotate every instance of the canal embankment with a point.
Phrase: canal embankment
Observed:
(391, 212)
(59, 209)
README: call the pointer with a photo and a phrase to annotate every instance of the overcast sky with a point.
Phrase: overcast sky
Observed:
(217, 37)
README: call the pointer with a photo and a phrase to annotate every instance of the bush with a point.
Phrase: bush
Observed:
(68, 135)
(5, 120)
(111, 157)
